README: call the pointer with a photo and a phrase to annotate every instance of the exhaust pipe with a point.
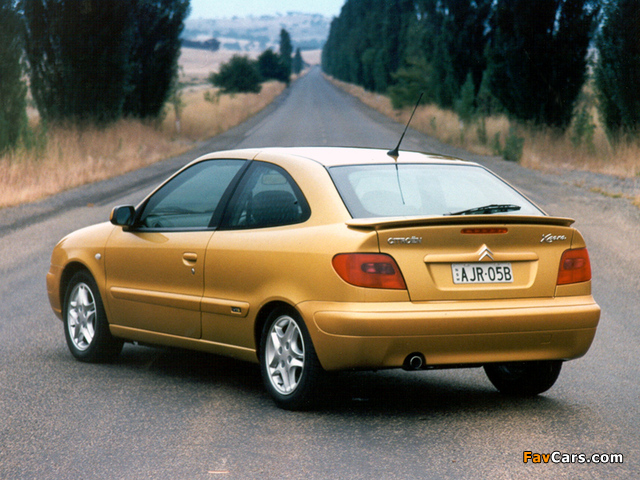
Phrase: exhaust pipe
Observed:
(414, 361)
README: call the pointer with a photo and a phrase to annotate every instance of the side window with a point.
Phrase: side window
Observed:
(189, 200)
(266, 197)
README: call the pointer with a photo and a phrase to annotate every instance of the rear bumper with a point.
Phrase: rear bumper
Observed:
(382, 335)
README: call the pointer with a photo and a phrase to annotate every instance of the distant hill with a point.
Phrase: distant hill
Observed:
(249, 34)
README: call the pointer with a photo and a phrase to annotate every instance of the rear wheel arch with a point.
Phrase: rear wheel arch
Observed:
(289, 366)
(261, 319)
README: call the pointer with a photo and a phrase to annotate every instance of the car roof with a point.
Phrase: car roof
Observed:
(336, 156)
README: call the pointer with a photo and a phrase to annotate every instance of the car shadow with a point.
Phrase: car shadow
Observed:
(192, 366)
(388, 392)
(400, 393)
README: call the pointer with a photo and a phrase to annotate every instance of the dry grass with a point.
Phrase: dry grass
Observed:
(201, 119)
(76, 156)
(441, 124)
(546, 150)
(543, 149)
(73, 157)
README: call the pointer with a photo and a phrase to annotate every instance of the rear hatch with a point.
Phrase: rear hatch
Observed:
(475, 257)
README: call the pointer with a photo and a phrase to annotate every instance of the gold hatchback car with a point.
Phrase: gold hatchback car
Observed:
(308, 260)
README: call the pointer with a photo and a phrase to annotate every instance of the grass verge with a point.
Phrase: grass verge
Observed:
(67, 157)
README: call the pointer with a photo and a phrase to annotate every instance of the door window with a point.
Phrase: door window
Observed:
(266, 197)
(190, 199)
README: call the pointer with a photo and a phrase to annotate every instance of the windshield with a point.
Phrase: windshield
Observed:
(425, 189)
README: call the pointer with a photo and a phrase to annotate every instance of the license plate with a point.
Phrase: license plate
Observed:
(482, 273)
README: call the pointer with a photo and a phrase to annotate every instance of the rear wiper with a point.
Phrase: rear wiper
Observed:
(488, 209)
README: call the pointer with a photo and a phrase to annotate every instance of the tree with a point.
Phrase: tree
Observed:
(617, 72)
(451, 37)
(13, 90)
(465, 24)
(298, 63)
(285, 51)
(238, 75)
(154, 55)
(271, 66)
(95, 60)
(377, 43)
(410, 82)
(529, 55)
(538, 57)
(367, 41)
(465, 105)
(78, 54)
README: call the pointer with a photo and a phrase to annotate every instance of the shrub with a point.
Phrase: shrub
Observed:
(271, 66)
(238, 75)
(513, 146)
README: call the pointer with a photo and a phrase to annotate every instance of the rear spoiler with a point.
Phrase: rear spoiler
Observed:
(385, 223)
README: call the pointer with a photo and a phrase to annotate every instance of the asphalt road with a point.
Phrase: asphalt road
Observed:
(170, 414)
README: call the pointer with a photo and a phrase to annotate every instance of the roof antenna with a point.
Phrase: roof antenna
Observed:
(395, 152)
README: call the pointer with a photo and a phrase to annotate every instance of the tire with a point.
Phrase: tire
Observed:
(524, 379)
(288, 362)
(85, 323)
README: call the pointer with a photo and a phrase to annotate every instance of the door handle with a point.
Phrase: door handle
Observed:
(190, 257)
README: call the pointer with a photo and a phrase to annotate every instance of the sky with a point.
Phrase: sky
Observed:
(243, 8)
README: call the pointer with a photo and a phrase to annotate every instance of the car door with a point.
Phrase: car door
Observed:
(255, 242)
(155, 269)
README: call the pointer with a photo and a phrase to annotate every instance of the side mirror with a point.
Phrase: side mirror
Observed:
(123, 215)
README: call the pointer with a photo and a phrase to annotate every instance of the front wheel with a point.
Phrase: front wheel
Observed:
(85, 322)
(288, 362)
(524, 379)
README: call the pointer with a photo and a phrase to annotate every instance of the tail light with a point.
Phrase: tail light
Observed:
(575, 267)
(373, 270)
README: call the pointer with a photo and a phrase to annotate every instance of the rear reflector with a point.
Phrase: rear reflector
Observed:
(373, 270)
(575, 267)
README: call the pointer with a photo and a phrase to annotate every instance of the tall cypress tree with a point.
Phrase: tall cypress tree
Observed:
(95, 60)
(617, 72)
(13, 90)
(297, 63)
(428, 58)
(538, 57)
(348, 41)
(154, 54)
(78, 53)
(286, 50)
(465, 24)
(366, 43)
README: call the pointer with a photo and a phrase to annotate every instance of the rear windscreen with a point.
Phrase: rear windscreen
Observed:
(392, 190)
